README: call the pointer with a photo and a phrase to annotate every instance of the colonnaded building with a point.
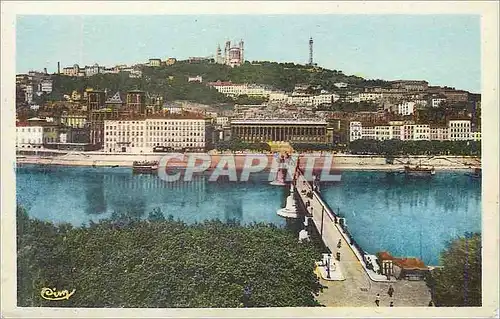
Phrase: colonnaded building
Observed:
(144, 134)
(280, 130)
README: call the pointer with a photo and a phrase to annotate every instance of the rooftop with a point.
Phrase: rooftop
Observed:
(170, 116)
(405, 263)
(278, 121)
(32, 124)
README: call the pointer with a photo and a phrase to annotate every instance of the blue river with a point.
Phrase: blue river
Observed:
(407, 217)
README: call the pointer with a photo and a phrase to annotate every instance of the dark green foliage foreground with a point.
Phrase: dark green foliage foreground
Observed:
(163, 263)
(458, 284)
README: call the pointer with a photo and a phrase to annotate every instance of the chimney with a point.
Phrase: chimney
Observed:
(58, 67)
(45, 70)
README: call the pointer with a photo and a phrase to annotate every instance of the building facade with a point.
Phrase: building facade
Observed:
(28, 136)
(28, 94)
(72, 71)
(154, 62)
(410, 85)
(233, 55)
(222, 120)
(95, 103)
(438, 133)
(456, 95)
(280, 130)
(253, 90)
(136, 102)
(92, 70)
(459, 130)
(421, 132)
(455, 130)
(73, 120)
(45, 86)
(406, 108)
(369, 96)
(436, 102)
(475, 136)
(197, 78)
(142, 135)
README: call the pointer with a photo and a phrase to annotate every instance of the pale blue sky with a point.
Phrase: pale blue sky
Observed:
(443, 49)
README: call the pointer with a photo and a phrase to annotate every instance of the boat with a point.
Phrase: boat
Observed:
(290, 210)
(145, 167)
(476, 173)
(419, 170)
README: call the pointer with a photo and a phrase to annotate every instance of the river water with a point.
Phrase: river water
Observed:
(406, 217)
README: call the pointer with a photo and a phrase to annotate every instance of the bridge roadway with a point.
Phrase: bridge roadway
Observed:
(357, 290)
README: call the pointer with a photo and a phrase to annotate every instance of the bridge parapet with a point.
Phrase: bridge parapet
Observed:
(333, 228)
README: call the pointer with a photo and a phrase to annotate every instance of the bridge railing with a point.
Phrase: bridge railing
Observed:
(335, 220)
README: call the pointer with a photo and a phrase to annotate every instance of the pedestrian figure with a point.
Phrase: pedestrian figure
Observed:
(390, 291)
(334, 266)
(339, 243)
(391, 304)
(338, 255)
(377, 300)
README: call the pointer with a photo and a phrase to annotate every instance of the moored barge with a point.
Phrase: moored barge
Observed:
(419, 171)
(146, 167)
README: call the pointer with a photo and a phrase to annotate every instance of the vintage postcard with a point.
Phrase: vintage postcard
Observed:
(281, 159)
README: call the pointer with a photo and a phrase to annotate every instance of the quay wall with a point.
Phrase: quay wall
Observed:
(340, 161)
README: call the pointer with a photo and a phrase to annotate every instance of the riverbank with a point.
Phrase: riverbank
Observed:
(339, 162)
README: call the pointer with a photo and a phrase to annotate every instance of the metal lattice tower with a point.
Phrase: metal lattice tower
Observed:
(310, 51)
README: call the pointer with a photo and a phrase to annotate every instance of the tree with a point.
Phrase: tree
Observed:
(160, 263)
(458, 283)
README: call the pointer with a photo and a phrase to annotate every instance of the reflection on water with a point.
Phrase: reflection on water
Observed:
(404, 216)
(233, 209)
(94, 196)
(408, 217)
(108, 190)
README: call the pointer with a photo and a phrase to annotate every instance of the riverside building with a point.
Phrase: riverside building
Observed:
(455, 130)
(99, 110)
(28, 136)
(143, 135)
(35, 133)
(280, 130)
